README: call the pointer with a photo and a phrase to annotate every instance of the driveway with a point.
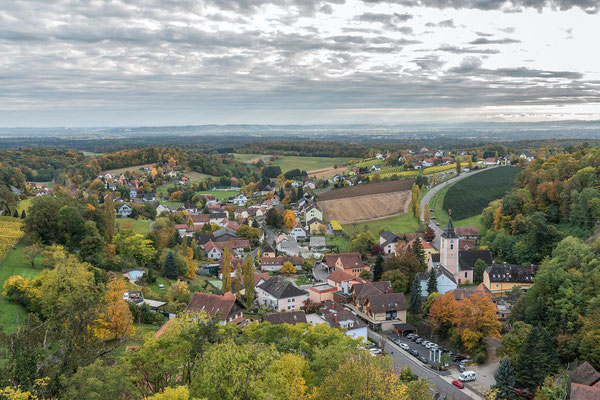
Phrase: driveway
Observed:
(319, 272)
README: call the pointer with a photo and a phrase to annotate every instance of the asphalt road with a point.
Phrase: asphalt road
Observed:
(440, 385)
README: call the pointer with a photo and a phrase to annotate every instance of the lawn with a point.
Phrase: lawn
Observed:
(468, 197)
(221, 194)
(288, 163)
(403, 223)
(197, 176)
(14, 264)
(24, 205)
(342, 243)
(140, 225)
(119, 171)
(248, 158)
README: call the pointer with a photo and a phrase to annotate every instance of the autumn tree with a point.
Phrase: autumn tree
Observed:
(31, 252)
(289, 219)
(288, 268)
(443, 312)
(237, 287)
(426, 215)
(363, 242)
(115, 320)
(476, 318)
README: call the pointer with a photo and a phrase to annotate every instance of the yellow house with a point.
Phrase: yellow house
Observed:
(501, 278)
(315, 225)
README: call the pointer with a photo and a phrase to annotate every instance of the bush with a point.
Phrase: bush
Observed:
(481, 357)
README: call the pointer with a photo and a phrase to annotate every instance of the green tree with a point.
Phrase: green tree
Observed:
(237, 287)
(415, 296)
(432, 282)
(505, 380)
(398, 280)
(98, 381)
(92, 243)
(539, 350)
(378, 268)
(249, 291)
(170, 269)
(478, 270)
(363, 242)
(458, 167)
(226, 272)
(512, 342)
(417, 249)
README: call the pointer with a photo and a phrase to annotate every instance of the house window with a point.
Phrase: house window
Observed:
(497, 285)
(465, 274)
(451, 246)
(389, 315)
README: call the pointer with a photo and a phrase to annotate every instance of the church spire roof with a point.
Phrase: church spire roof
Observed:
(449, 232)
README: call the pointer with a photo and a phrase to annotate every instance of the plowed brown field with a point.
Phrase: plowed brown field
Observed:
(366, 208)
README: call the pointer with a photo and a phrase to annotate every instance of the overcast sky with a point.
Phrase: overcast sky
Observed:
(178, 62)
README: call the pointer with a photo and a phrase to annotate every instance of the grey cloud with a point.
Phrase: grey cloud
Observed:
(429, 63)
(589, 6)
(483, 40)
(466, 50)
(448, 23)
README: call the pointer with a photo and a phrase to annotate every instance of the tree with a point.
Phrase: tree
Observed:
(115, 319)
(237, 287)
(288, 268)
(476, 318)
(109, 218)
(31, 252)
(363, 242)
(539, 350)
(170, 269)
(226, 279)
(289, 219)
(398, 280)
(378, 268)
(415, 296)
(179, 292)
(505, 380)
(42, 221)
(189, 261)
(417, 249)
(478, 270)
(248, 271)
(426, 215)
(512, 342)
(23, 214)
(271, 171)
(274, 218)
(443, 312)
(134, 247)
(458, 167)
(98, 381)
(470, 163)
(552, 389)
(429, 234)
(432, 282)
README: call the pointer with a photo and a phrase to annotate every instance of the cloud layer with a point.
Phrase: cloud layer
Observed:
(152, 62)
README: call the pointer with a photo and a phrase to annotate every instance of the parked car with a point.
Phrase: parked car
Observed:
(414, 352)
(414, 338)
(458, 384)
(465, 361)
(370, 345)
(410, 335)
(461, 368)
(467, 376)
(375, 351)
(419, 340)
(422, 359)
(404, 346)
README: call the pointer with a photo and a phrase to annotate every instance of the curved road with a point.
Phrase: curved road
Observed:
(429, 195)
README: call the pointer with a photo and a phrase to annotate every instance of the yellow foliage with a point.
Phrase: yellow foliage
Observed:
(190, 263)
(115, 320)
(288, 268)
(176, 393)
(10, 233)
(289, 219)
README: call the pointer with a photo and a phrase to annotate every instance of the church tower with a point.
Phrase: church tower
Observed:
(449, 248)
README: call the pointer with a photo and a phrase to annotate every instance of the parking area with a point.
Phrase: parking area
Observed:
(418, 349)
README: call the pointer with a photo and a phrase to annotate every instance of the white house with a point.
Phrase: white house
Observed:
(125, 210)
(445, 281)
(161, 208)
(313, 212)
(279, 294)
(298, 232)
(132, 193)
(240, 199)
(212, 251)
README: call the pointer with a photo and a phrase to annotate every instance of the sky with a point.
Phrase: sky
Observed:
(186, 62)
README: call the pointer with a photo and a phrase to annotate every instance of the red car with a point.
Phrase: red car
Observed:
(458, 384)
(523, 394)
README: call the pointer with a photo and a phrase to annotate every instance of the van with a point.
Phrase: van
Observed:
(467, 376)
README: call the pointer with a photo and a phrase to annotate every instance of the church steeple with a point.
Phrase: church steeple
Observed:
(449, 231)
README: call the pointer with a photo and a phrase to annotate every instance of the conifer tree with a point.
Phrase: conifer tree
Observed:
(415, 296)
(300, 193)
(432, 282)
(540, 352)
(417, 249)
(237, 286)
(23, 214)
(170, 269)
(505, 380)
(226, 271)
(109, 218)
(378, 268)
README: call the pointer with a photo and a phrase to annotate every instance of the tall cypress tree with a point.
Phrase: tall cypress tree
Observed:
(505, 380)
(170, 269)
(300, 193)
(226, 271)
(238, 277)
(249, 281)
(415, 296)
(23, 214)
(432, 282)
(378, 268)
(417, 249)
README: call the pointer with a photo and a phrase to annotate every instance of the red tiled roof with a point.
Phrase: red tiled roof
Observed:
(212, 304)
(582, 392)
(340, 276)
(279, 260)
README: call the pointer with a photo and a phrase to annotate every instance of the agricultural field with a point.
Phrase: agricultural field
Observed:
(468, 197)
(119, 171)
(251, 158)
(220, 194)
(140, 225)
(197, 176)
(327, 172)
(10, 233)
(287, 163)
(366, 208)
(403, 223)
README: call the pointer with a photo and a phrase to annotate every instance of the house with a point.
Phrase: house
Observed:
(217, 217)
(241, 213)
(190, 207)
(298, 232)
(428, 248)
(291, 247)
(444, 279)
(292, 318)
(501, 278)
(378, 306)
(161, 208)
(467, 260)
(316, 226)
(240, 199)
(312, 212)
(466, 291)
(149, 197)
(124, 210)
(279, 294)
(341, 280)
(585, 382)
(226, 308)
(527, 156)
(388, 241)
(467, 232)
(375, 168)
(276, 263)
(350, 263)
(224, 235)
(428, 162)
(339, 317)
(211, 199)
(321, 292)
(199, 220)
(213, 251)
(268, 251)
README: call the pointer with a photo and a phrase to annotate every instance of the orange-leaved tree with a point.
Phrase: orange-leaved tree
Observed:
(115, 320)
(289, 219)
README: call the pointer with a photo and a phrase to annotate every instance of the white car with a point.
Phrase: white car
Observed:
(404, 346)
(375, 351)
